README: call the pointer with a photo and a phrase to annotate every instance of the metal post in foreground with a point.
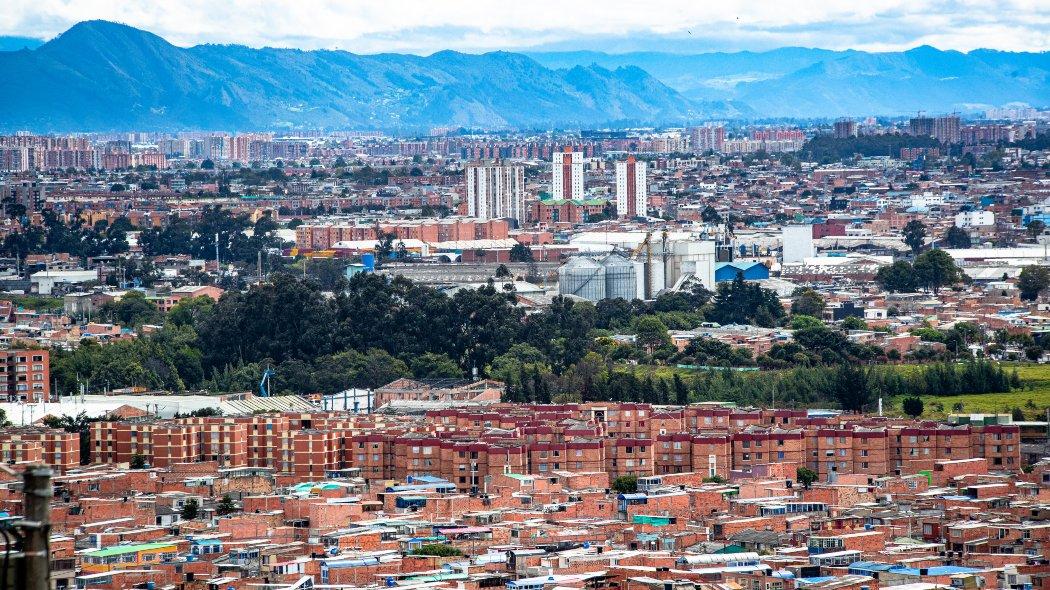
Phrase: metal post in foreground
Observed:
(37, 488)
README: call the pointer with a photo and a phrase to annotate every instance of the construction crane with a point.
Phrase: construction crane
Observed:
(264, 383)
(647, 245)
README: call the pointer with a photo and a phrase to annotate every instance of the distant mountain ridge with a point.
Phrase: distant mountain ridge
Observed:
(14, 43)
(809, 83)
(100, 76)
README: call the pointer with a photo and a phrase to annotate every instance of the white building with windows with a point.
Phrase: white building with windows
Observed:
(496, 190)
(966, 219)
(632, 188)
(567, 175)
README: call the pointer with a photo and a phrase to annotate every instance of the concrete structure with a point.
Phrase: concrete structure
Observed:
(582, 277)
(797, 243)
(45, 281)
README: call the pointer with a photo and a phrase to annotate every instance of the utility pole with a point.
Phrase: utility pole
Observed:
(37, 553)
(218, 267)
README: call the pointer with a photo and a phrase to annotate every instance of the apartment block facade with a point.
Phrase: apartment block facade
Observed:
(469, 447)
(25, 375)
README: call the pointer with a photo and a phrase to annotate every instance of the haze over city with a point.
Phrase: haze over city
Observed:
(535, 296)
(418, 26)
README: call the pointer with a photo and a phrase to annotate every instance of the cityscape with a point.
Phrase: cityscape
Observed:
(753, 297)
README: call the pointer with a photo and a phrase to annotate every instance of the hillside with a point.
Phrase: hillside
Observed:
(101, 75)
(800, 82)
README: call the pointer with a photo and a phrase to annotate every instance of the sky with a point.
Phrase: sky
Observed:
(615, 26)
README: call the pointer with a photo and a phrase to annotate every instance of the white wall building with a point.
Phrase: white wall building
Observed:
(496, 190)
(632, 189)
(45, 281)
(927, 200)
(967, 219)
(567, 175)
(798, 243)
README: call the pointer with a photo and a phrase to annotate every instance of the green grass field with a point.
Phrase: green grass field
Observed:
(1033, 398)
(34, 302)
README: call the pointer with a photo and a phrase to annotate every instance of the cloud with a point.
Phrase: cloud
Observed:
(425, 26)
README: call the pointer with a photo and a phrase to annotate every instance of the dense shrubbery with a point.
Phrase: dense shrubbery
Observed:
(828, 149)
(376, 329)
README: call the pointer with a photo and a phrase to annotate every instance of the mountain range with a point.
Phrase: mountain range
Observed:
(102, 76)
(815, 83)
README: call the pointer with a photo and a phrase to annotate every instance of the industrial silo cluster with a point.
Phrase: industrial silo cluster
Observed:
(596, 278)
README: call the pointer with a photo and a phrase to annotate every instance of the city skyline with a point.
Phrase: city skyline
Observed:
(417, 27)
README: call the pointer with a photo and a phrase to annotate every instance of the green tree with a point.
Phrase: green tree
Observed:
(506, 367)
(710, 215)
(956, 237)
(190, 509)
(915, 235)
(1032, 281)
(1035, 228)
(1033, 353)
(651, 333)
(806, 476)
(936, 269)
(852, 387)
(740, 302)
(133, 310)
(191, 310)
(854, 323)
(226, 506)
(434, 365)
(898, 277)
(681, 391)
(437, 550)
(807, 302)
(137, 461)
(330, 273)
(805, 322)
(380, 368)
(520, 253)
(625, 484)
(912, 406)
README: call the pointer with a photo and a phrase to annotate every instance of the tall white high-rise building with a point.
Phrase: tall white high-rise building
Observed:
(632, 189)
(496, 190)
(567, 174)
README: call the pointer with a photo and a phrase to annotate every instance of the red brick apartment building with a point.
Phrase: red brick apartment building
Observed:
(25, 375)
(57, 448)
(465, 446)
(320, 237)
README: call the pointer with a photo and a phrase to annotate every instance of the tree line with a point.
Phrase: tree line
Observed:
(375, 329)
